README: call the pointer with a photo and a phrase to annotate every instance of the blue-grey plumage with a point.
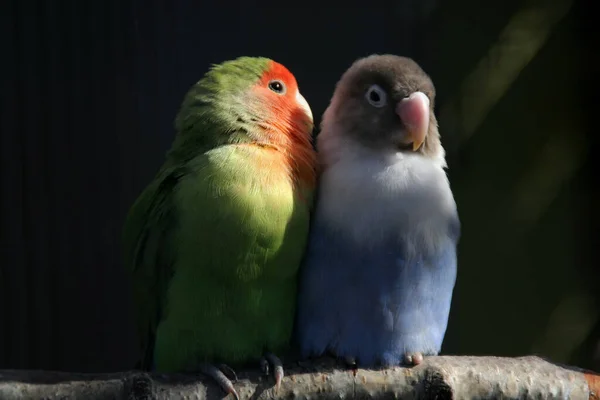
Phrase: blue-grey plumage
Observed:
(380, 268)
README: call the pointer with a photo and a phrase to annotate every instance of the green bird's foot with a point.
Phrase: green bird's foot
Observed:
(228, 371)
(272, 359)
(218, 375)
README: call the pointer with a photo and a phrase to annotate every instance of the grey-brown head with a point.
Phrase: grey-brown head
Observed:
(386, 102)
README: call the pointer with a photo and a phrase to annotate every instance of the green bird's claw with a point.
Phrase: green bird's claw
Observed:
(219, 377)
(272, 359)
(264, 366)
(228, 371)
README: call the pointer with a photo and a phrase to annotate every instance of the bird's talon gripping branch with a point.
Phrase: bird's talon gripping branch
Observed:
(413, 358)
(277, 368)
(264, 365)
(350, 361)
(229, 372)
(219, 377)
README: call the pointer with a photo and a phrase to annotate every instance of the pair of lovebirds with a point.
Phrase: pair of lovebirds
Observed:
(249, 240)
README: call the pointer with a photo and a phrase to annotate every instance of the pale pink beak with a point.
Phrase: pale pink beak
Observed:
(414, 113)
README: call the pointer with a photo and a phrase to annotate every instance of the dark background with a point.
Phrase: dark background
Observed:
(90, 90)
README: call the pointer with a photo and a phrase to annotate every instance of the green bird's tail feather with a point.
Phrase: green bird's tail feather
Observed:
(146, 256)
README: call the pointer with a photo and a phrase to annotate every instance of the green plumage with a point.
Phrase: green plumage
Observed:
(215, 241)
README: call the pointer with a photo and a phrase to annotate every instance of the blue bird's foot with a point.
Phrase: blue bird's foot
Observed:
(415, 358)
(351, 362)
(219, 376)
(272, 359)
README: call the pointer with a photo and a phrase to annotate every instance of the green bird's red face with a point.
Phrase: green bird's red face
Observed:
(279, 87)
(284, 114)
(253, 101)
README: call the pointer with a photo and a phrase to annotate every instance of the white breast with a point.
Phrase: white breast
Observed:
(371, 196)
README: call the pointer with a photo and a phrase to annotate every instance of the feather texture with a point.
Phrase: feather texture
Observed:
(216, 267)
(214, 243)
(380, 268)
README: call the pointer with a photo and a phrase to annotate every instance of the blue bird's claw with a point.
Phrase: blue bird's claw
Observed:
(413, 358)
(351, 362)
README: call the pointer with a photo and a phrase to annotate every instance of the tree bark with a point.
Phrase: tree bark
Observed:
(442, 377)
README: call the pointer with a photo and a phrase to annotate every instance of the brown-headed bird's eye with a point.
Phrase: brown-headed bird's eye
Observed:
(376, 96)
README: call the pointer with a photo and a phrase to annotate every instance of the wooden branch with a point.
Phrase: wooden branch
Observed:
(443, 377)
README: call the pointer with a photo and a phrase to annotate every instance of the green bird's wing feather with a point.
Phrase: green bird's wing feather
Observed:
(145, 235)
(240, 236)
(205, 230)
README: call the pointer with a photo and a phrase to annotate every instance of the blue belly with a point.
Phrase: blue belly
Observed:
(373, 303)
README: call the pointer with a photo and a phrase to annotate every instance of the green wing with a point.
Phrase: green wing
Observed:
(147, 255)
(223, 228)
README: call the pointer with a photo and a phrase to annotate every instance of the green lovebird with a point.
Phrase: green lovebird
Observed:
(214, 243)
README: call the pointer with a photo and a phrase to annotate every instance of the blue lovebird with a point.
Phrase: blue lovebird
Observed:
(380, 267)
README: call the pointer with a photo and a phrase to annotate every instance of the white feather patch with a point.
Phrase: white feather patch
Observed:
(372, 195)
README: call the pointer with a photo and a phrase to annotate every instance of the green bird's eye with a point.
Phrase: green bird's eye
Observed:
(277, 86)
